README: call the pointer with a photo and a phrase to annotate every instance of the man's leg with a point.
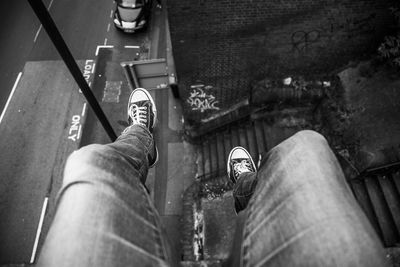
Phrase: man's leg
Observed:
(104, 216)
(243, 173)
(244, 189)
(303, 213)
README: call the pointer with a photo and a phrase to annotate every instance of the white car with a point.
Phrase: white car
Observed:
(132, 15)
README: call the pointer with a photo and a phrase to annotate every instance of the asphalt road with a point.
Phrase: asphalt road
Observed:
(37, 122)
(83, 24)
(17, 32)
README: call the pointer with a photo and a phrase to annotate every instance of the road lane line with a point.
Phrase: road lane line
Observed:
(10, 96)
(37, 33)
(108, 27)
(102, 46)
(39, 229)
(78, 136)
(132, 46)
(111, 14)
(105, 41)
(93, 66)
(40, 27)
(51, 2)
(83, 109)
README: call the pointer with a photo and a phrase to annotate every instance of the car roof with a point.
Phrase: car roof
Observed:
(130, 3)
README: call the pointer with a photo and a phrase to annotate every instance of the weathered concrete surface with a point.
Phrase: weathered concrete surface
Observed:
(372, 98)
(219, 226)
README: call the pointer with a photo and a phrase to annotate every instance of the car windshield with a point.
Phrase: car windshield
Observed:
(129, 14)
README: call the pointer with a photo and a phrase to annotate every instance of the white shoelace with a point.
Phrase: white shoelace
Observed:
(138, 114)
(241, 167)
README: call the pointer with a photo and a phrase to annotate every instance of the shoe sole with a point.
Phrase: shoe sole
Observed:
(153, 105)
(229, 159)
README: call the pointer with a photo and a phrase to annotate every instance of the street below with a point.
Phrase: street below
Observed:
(43, 112)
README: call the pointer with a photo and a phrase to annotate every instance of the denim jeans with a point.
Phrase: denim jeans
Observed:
(104, 215)
(301, 213)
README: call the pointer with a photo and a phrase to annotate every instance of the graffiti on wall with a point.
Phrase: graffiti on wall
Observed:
(199, 99)
(351, 25)
(301, 40)
(335, 23)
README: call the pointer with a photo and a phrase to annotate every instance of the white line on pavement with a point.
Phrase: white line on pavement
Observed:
(79, 132)
(10, 96)
(132, 46)
(111, 13)
(51, 2)
(83, 109)
(37, 33)
(39, 229)
(102, 46)
(40, 27)
(105, 41)
(108, 27)
(93, 66)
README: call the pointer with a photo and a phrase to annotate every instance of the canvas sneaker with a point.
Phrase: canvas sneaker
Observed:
(142, 110)
(239, 161)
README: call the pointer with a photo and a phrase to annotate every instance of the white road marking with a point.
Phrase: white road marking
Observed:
(102, 46)
(108, 27)
(39, 229)
(37, 33)
(40, 27)
(10, 96)
(93, 66)
(83, 109)
(132, 46)
(105, 41)
(51, 2)
(79, 132)
(74, 130)
(111, 14)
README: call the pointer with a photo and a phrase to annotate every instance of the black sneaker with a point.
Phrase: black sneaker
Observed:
(239, 161)
(142, 110)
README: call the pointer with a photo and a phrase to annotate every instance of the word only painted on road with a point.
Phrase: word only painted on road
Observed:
(200, 100)
(74, 132)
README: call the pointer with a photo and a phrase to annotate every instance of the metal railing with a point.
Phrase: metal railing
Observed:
(48, 24)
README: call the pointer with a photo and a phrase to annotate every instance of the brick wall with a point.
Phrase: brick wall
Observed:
(227, 45)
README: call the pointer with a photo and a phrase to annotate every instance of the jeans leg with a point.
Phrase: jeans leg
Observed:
(104, 216)
(244, 189)
(303, 213)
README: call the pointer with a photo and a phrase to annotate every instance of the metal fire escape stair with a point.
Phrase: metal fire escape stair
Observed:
(377, 191)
